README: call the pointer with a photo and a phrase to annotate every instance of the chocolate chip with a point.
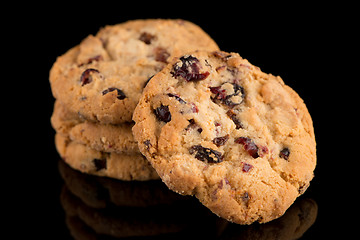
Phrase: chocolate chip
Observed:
(163, 113)
(220, 141)
(86, 77)
(249, 146)
(99, 164)
(189, 69)
(206, 154)
(120, 94)
(285, 153)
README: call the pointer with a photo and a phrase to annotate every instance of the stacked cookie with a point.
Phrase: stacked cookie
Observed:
(97, 85)
(210, 123)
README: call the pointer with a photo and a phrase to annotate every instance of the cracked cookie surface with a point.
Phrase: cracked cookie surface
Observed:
(215, 126)
(102, 78)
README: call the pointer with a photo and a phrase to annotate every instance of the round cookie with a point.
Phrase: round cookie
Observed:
(101, 137)
(102, 78)
(240, 140)
(132, 166)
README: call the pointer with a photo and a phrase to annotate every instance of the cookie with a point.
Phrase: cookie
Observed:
(240, 140)
(125, 166)
(101, 137)
(102, 78)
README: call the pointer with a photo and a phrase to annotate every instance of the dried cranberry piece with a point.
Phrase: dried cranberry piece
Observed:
(194, 108)
(247, 167)
(163, 113)
(230, 99)
(161, 55)
(219, 93)
(285, 153)
(120, 94)
(146, 37)
(86, 77)
(249, 146)
(232, 115)
(99, 164)
(189, 69)
(206, 154)
(220, 141)
(177, 97)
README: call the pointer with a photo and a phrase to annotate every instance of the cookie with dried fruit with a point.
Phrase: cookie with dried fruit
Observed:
(240, 140)
(103, 77)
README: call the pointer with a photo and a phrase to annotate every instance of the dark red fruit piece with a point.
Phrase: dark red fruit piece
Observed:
(86, 77)
(161, 55)
(146, 37)
(120, 94)
(177, 97)
(285, 153)
(237, 91)
(232, 115)
(194, 108)
(219, 92)
(247, 167)
(206, 154)
(220, 141)
(99, 164)
(249, 146)
(226, 98)
(189, 69)
(163, 113)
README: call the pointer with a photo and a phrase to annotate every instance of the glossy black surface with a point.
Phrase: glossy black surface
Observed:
(39, 201)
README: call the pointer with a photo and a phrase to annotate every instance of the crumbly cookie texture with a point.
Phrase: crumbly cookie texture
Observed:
(101, 137)
(240, 140)
(125, 166)
(102, 78)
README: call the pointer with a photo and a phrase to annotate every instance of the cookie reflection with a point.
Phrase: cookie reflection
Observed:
(98, 208)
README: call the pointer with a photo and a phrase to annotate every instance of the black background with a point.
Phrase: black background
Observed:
(300, 43)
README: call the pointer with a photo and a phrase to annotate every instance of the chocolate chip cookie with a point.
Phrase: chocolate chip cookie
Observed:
(217, 127)
(102, 78)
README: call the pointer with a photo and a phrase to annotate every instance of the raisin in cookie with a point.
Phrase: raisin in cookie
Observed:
(240, 140)
(102, 78)
(101, 137)
(125, 166)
